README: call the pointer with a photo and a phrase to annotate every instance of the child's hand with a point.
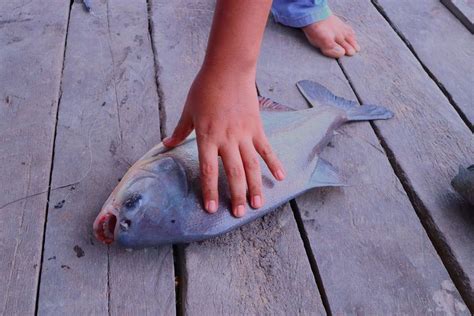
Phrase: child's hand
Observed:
(224, 111)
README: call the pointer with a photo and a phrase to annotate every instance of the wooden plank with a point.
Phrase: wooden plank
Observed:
(108, 117)
(427, 140)
(441, 43)
(251, 270)
(180, 53)
(32, 41)
(463, 10)
(260, 269)
(373, 255)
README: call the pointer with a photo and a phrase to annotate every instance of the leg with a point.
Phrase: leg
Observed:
(323, 29)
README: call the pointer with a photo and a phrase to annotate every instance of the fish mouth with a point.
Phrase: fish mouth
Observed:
(104, 226)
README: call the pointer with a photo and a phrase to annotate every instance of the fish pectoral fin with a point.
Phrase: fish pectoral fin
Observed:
(325, 175)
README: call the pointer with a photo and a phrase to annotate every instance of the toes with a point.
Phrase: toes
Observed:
(350, 37)
(326, 44)
(334, 52)
(353, 42)
(349, 50)
(334, 40)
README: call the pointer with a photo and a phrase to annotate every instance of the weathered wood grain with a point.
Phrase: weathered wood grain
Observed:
(373, 255)
(427, 140)
(463, 10)
(261, 268)
(442, 44)
(180, 45)
(32, 41)
(108, 117)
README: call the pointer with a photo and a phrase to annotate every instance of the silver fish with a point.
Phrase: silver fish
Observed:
(87, 5)
(158, 201)
(463, 183)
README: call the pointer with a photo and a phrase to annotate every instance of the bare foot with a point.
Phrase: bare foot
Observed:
(333, 37)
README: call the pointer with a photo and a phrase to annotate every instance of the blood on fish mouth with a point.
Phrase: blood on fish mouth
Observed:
(105, 227)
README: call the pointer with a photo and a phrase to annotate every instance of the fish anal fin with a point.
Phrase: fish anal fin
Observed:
(267, 104)
(325, 175)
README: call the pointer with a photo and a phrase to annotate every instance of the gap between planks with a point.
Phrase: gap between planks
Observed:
(180, 278)
(430, 74)
(311, 257)
(159, 90)
(178, 250)
(40, 270)
(442, 248)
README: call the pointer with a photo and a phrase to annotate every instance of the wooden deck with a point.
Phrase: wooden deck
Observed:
(83, 95)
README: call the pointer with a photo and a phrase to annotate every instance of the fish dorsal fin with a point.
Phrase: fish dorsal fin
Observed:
(325, 175)
(318, 95)
(267, 104)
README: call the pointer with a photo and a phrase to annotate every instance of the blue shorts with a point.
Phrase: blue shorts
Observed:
(300, 13)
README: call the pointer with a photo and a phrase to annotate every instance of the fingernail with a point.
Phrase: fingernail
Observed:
(357, 47)
(256, 201)
(339, 49)
(280, 174)
(239, 211)
(211, 206)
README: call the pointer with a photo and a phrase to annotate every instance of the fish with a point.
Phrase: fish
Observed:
(158, 201)
(463, 183)
(87, 5)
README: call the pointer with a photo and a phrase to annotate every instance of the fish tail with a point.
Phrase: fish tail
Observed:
(318, 95)
(368, 112)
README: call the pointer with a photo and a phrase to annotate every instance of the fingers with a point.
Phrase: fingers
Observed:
(242, 167)
(252, 174)
(243, 171)
(183, 129)
(265, 150)
(234, 170)
(209, 176)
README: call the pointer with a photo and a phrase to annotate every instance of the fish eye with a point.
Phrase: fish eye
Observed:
(132, 200)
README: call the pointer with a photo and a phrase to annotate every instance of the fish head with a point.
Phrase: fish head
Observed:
(144, 204)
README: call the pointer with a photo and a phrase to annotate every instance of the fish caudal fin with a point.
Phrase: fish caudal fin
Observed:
(325, 175)
(318, 95)
(368, 112)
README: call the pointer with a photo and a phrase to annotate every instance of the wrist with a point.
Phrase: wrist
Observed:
(222, 70)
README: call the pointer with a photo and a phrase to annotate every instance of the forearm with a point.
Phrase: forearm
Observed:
(236, 36)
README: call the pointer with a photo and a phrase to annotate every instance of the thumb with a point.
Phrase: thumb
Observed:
(183, 129)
